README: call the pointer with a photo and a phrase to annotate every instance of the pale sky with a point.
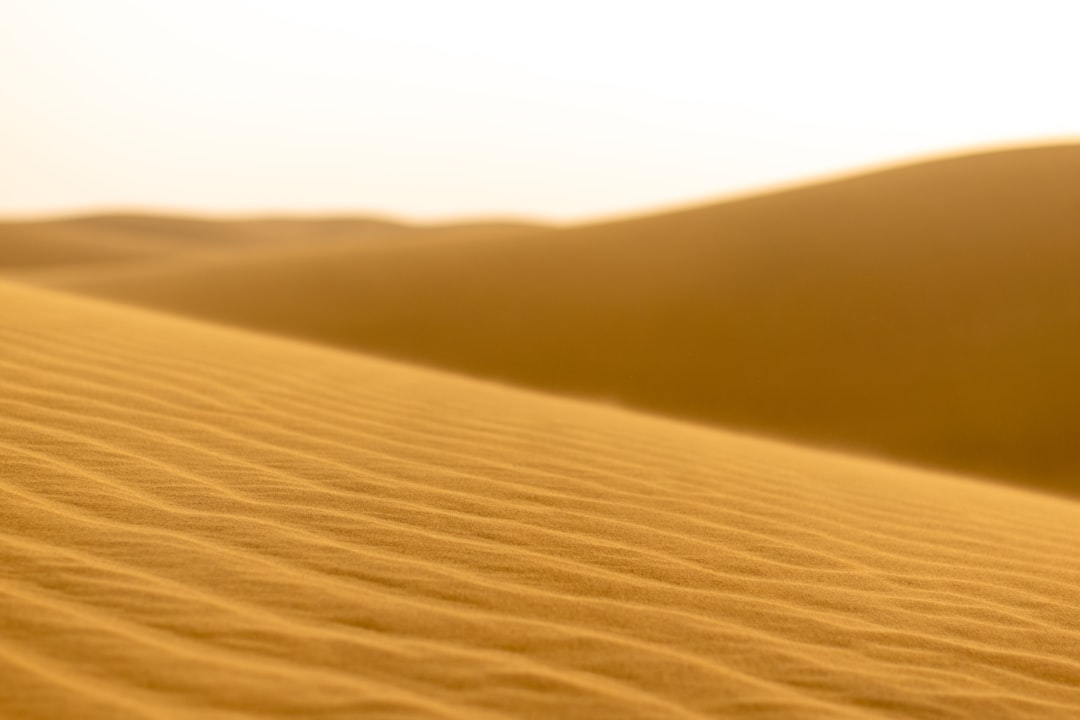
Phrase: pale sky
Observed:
(432, 109)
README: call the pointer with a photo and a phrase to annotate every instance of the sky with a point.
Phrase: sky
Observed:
(440, 109)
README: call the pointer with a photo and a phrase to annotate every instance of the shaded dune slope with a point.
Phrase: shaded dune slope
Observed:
(206, 523)
(927, 313)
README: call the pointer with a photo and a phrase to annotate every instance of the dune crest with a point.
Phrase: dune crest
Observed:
(201, 522)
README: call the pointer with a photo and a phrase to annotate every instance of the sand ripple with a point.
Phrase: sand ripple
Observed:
(205, 523)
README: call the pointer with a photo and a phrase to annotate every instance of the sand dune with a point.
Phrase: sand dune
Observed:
(103, 244)
(104, 240)
(925, 313)
(206, 523)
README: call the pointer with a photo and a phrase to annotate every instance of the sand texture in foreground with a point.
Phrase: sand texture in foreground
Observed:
(206, 523)
(927, 313)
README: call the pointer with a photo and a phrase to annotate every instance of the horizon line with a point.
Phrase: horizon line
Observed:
(513, 218)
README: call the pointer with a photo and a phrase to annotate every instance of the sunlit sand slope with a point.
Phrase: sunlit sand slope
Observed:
(927, 313)
(204, 523)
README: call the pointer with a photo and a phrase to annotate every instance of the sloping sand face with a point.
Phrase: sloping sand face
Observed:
(204, 523)
(925, 313)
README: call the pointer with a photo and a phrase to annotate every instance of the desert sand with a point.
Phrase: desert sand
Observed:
(245, 473)
(204, 522)
(924, 313)
(100, 248)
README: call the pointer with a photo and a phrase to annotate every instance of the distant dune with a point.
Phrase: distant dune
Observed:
(107, 240)
(119, 242)
(201, 522)
(927, 313)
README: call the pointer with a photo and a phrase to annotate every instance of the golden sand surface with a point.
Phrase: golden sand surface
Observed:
(925, 313)
(204, 522)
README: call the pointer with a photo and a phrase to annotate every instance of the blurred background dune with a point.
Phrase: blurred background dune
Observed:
(924, 313)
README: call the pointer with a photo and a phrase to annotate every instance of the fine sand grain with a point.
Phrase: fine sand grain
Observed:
(200, 522)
